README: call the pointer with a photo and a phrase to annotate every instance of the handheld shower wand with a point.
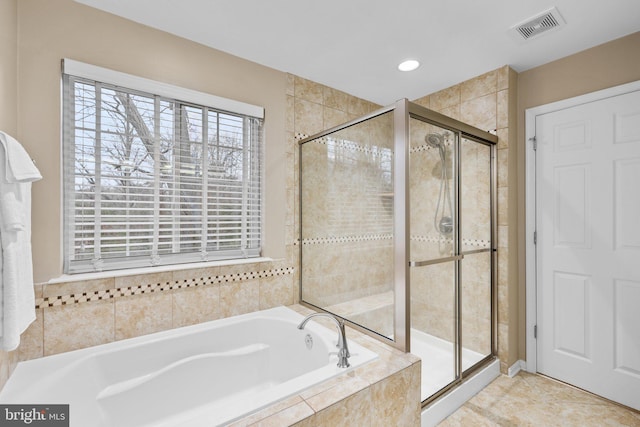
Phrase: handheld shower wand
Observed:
(441, 221)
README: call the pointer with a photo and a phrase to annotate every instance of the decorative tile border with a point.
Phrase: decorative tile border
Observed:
(439, 239)
(431, 239)
(353, 146)
(477, 242)
(110, 294)
(421, 148)
(299, 136)
(346, 144)
(427, 147)
(346, 239)
(369, 237)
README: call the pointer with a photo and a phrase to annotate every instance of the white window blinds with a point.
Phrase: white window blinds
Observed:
(151, 180)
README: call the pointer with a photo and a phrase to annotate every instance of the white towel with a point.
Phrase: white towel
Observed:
(19, 166)
(17, 300)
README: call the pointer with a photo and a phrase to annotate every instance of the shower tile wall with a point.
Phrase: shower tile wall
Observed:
(347, 236)
(311, 108)
(488, 102)
(432, 287)
(475, 173)
(432, 309)
(348, 221)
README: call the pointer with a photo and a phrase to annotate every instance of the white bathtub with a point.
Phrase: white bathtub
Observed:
(202, 375)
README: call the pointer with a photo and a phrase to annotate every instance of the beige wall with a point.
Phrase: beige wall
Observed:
(51, 30)
(34, 36)
(610, 64)
(8, 66)
(8, 100)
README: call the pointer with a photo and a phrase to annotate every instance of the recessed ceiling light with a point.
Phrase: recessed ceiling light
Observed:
(408, 65)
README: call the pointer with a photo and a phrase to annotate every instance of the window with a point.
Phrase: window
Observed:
(151, 180)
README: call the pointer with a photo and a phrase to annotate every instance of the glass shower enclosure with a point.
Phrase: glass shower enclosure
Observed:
(398, 236)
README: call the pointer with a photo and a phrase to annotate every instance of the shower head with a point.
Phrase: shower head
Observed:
(434, 140)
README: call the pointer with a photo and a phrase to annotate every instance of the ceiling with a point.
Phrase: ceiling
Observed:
(356, 45)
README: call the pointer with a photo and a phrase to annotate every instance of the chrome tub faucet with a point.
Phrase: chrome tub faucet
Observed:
(343, 349)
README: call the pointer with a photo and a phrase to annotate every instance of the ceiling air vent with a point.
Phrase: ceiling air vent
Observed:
(543, 22)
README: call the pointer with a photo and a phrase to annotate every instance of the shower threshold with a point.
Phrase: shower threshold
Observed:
(438, 358)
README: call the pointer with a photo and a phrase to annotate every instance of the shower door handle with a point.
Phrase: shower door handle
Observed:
(435, 261)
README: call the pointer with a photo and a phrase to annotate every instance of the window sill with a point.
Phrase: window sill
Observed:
(66, 278)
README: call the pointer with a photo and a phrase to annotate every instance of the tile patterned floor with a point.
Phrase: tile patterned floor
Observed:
(534, 400)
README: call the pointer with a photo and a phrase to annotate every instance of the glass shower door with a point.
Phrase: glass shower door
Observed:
(433, 248)
(346, 227)
(476, 248)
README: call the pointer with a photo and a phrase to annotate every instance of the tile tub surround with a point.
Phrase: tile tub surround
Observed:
(80, 314)
(385, 392)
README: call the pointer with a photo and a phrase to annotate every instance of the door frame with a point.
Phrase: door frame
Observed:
(531, 287)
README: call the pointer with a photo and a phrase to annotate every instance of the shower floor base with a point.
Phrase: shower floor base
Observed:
(446, 405)
(438, 360)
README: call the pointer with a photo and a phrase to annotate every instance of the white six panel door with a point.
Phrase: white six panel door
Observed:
(588, 247)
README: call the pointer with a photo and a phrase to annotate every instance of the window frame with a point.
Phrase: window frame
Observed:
(183, 98)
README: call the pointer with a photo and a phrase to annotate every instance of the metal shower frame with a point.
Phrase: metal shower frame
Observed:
(403, 111)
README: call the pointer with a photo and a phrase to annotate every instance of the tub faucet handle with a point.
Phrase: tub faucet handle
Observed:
(343, 348)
